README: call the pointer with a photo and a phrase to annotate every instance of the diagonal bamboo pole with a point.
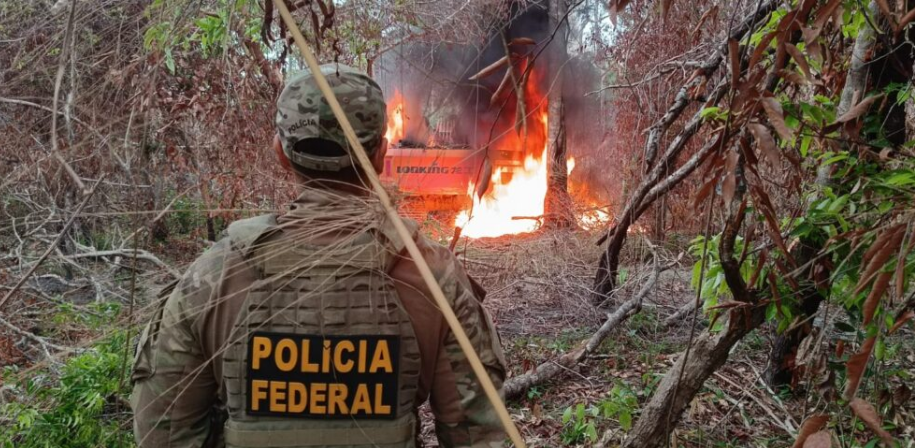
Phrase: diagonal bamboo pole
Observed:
(357, 150)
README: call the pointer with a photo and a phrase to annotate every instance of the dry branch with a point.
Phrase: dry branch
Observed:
(53, 245)
(31, 336)
(69, 35)
(604, 280)
(138, 254)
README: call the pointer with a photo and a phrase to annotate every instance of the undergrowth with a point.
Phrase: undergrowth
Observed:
(83, 405)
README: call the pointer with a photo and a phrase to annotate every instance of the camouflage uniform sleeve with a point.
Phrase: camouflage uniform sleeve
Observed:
(464, 415)
(174, 388)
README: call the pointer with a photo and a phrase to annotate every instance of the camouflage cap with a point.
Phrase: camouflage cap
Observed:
(303, 113)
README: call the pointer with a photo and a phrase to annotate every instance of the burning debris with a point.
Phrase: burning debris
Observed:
(477, 150)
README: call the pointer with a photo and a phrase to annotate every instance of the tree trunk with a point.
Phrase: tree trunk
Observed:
(558, 204)
(708, 353)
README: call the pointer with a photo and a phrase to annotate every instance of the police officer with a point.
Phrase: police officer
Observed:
(314, 328)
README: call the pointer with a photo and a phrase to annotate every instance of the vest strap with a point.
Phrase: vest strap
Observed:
(385, 435)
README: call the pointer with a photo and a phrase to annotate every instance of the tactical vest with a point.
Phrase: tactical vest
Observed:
(322, 353)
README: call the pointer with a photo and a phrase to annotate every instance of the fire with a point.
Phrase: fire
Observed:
(515, 206)
(395, 131)
(518, 154)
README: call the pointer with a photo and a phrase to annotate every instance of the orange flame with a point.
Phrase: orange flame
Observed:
(515, 206)
(395, 131)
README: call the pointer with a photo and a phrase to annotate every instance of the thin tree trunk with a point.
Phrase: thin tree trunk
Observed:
(558, 206)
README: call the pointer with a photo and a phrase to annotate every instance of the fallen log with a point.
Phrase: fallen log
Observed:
(678, 316)
(139, 254)
(544, 372)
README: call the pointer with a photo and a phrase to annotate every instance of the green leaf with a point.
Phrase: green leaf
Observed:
(567, 415)
(880, 350)
(901, 179)
(591, 432)
(771, 311)
(904, 95)
(711, 111)
(835, 159)
(169, 60)
(782, 325)
(626, 420)
(838, 204)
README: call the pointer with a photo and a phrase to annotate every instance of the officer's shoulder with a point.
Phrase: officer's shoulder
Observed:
(390, 233)
(237, 238)
(242, 234)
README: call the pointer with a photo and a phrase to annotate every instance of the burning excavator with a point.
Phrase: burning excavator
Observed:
(491, 189)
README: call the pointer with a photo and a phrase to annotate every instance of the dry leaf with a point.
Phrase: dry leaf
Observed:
(665, 8)
(729, 185)
(765, 142)
(793, 77)
(901, 319)
(713, 11)
(878, 244)
(900, 265)
(873, 299)
(824, 13)
(821, 439)
(734, 53)
(810, 34)
(799, 59)
(885, 244)
(815, 51)
(810, 426)
(760, 49)
(858, 110)
(777, 118)
(869, 416)
(855, 367)
(704, 191)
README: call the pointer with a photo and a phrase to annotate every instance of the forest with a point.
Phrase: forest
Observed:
(694, 221)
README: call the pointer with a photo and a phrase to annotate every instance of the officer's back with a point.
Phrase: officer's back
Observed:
(314, 328)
